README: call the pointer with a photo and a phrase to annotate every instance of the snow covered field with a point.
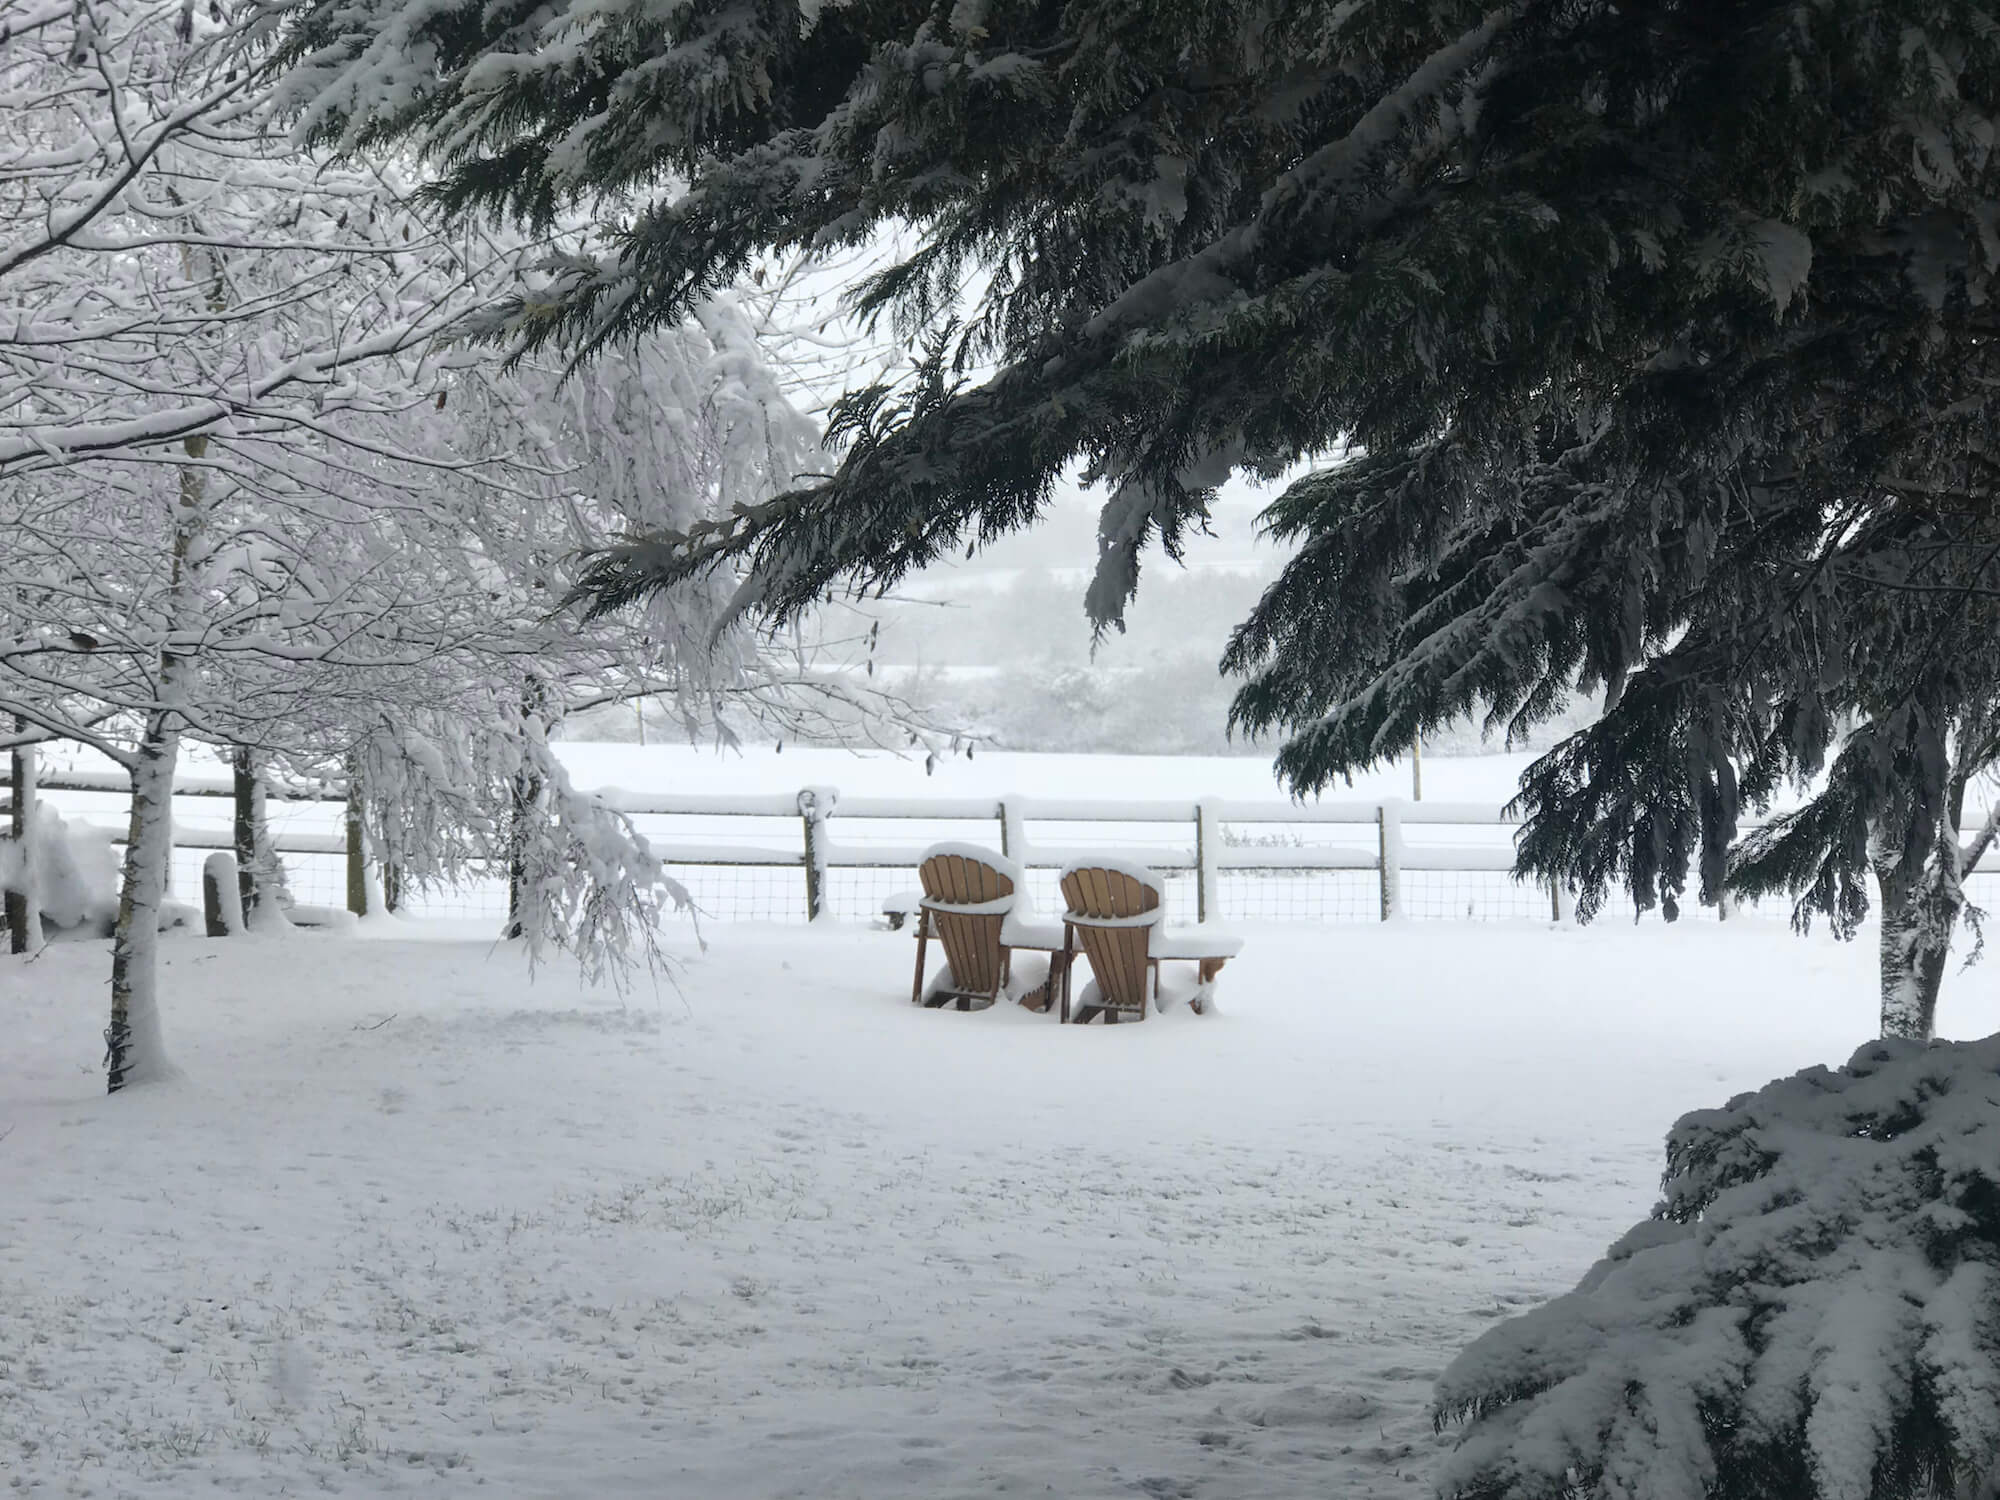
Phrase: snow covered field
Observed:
(412, 1224)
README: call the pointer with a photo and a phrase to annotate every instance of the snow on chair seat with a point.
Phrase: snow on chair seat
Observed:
(1207, 948)
(1023, 929)
(1195, 943)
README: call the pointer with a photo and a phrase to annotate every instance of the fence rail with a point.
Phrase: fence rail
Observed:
(812, 853)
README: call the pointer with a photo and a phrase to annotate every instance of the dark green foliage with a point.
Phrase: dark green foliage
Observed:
(1667, 331)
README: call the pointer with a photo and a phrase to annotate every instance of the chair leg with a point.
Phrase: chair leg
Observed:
(1068, 955)
(923, 938)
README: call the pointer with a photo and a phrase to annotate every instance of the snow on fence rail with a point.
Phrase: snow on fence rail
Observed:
(1201, 849)
(795, 856)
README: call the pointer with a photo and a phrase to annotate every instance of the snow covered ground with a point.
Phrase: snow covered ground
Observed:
(410, 1224)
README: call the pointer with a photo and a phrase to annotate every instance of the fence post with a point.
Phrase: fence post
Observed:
(221, 897)
(1013, 837)
(357, 843)
(815, 803)
(167, 817)
(1389, 833)
(1207, 844)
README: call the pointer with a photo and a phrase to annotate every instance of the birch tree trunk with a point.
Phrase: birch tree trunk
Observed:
(24, 908)
(133, 1048)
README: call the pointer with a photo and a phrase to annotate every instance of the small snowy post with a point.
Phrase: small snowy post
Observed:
(1389, 831)
(815, 804)
(1417, 769)
(1013, 830)
(1207, 844)
(357, 843)
(221, 895)
(24, 913)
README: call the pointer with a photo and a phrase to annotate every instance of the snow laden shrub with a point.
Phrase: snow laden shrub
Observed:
(1811, 1313)
(75, 874)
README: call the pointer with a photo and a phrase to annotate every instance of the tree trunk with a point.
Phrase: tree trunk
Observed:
(24, 909)
(1917, 925)
(245, 835)
(134, 1052)
(357, 841)
(527, 794)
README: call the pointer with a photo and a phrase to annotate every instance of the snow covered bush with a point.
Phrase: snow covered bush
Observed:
(75, 874)
(1812, 1312)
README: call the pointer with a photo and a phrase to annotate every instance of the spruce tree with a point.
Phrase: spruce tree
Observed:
(1666, 332)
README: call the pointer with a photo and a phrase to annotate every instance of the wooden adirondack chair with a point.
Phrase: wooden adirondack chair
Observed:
(965, 904)
(1112, 914)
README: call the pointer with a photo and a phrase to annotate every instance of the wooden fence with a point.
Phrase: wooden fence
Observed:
(803, 855)
(1206, 841)
(812, 852)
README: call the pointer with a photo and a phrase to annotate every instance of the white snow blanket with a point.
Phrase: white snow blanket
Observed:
(412, 1225)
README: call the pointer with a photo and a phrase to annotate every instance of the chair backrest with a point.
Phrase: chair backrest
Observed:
(971, 939)
(962, 880)
(1102, 902)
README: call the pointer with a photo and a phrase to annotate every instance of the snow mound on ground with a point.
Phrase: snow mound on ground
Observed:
(1814, 1307)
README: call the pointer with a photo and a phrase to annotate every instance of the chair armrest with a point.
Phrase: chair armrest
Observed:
(1137, 919)
(999, 906)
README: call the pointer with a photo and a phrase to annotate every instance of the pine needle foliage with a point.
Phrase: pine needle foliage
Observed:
(1665, 335)
(1811, 1313)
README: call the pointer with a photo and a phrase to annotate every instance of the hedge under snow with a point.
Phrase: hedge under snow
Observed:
(1812, 1311)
